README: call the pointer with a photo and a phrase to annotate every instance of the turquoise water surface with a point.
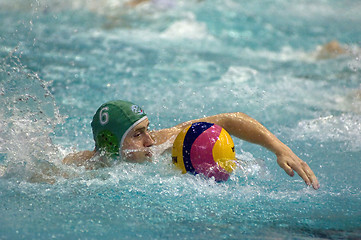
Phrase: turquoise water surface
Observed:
(179, 60)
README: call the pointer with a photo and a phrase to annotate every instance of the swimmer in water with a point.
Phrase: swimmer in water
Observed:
(331, 49)
(120, 131)
(134, 3)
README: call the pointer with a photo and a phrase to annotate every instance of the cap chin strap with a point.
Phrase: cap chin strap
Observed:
(126, 133)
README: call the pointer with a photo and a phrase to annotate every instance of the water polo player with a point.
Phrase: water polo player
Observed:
(120, 131)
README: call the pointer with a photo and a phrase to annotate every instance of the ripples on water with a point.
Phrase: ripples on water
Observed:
(61, 59)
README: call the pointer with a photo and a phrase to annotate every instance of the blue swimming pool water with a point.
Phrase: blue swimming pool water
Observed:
(179, 60)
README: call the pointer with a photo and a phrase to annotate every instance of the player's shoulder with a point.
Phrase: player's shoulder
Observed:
(79, 158)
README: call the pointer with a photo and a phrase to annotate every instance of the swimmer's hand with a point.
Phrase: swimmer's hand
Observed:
(290, 163)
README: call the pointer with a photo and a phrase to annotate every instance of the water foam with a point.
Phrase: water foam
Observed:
(186, 29)
(344, 128)
(28, 116)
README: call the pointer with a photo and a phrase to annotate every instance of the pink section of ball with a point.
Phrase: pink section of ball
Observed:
(202, 157)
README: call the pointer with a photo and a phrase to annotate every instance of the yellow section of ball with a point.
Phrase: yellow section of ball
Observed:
(177, 150)
(224, 153)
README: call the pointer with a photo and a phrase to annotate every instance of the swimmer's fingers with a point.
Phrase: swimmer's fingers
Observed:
(287, 169)
(312, 177)
(291, 164)
(307, 174)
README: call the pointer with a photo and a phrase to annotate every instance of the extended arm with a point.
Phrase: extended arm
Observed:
(246, 128)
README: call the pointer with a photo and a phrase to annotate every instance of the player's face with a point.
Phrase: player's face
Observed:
(137, 143)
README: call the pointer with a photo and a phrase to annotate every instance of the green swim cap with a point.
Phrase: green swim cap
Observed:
(112, 122)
